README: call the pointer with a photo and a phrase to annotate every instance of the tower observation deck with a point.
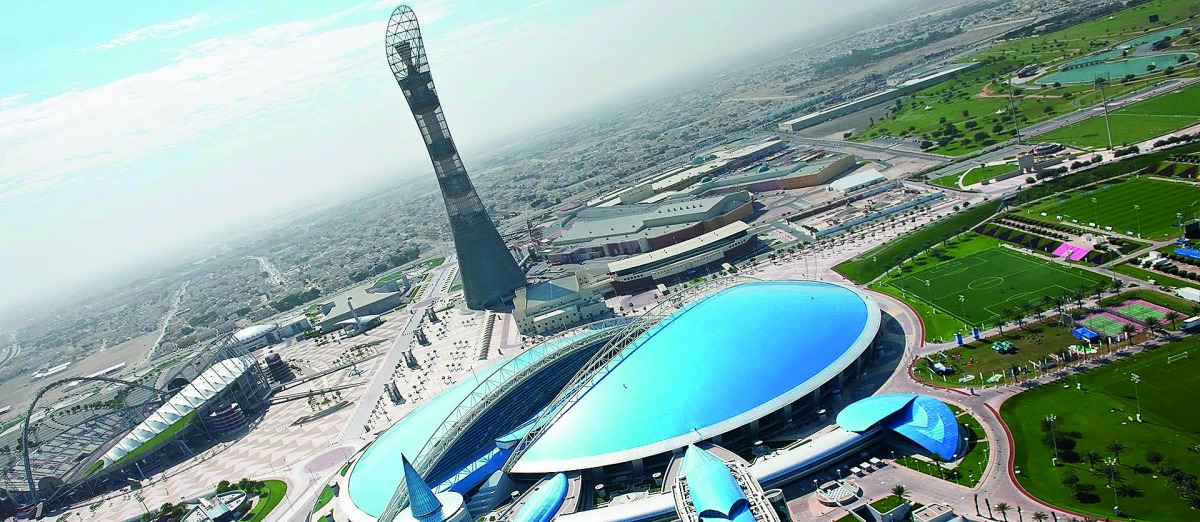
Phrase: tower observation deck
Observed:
(489, 272)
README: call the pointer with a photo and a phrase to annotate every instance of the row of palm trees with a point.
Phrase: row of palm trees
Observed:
(1020, 313)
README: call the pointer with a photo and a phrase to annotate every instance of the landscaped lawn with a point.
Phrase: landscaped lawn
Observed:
(887, 503)
(1159, 202)
(929, 113)
(275, 490)
(978, 287)
(1033, 342)
(1159, 279)
(1134, 123)
(1178, 304)
(323, 499)
(1092, 419)
(979, 174)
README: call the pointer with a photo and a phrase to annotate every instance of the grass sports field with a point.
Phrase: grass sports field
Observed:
(1102, 413)
(1134, 123)
(990, 281)
(978, 174)
(1160, 201)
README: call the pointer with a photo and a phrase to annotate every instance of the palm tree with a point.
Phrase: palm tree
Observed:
(1151, 325)
(899, 490)
(937, 459)
(1092, 458)
(1040, 516)
(1003, 508)
(1116, 448)
(1128, 330)
(1099, 289)
(1116, 285)
(1195, 309)
(1172, 316)
(1027, 309)
(1000, 322)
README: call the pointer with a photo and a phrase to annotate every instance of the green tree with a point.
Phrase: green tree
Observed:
(1116, 448)
(899, 490)
(1128, 330)
(1092, 458)
(1172, 316)
(1003, 508)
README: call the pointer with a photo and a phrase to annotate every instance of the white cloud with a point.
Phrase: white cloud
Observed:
(156, 31)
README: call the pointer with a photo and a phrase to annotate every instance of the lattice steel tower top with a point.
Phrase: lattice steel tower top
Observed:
(489, 272)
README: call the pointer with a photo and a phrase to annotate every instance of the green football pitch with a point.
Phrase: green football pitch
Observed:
(1158, 204)
(990, 281)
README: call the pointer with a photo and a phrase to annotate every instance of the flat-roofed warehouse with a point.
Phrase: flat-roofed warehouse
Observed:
(632, 229)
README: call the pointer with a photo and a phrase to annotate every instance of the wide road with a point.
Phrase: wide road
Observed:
(1113, 104)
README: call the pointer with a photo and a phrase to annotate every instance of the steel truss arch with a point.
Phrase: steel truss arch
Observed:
(490, 390)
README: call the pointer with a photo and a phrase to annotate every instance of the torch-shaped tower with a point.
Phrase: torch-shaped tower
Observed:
(489, 273)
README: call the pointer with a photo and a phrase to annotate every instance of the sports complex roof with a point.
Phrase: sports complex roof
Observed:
(250, 333)
(714, 365)
(373, 479)
(714, 491)
(202, 389)
(923, 420)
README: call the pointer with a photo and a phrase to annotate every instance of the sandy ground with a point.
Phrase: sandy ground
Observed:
(18, 392)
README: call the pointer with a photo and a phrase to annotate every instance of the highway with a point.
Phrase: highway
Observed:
(166, 320)
(272, 271)
(1012, 148)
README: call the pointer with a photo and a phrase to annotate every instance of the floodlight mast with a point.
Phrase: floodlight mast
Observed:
(489, 272)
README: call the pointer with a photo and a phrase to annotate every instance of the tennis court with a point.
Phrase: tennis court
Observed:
(1103, 325)
(978, 287)
(1141, 312)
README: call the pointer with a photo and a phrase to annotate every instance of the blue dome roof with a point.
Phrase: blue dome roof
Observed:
(923, 420)
(745, 351)
(713, 489)
(545, 501)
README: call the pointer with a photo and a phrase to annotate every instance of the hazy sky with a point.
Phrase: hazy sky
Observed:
(128, 128)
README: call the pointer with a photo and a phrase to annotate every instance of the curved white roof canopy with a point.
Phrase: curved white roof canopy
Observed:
(195, 394)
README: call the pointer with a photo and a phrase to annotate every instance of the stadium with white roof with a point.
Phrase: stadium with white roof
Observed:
(127, 426)
(614, 407)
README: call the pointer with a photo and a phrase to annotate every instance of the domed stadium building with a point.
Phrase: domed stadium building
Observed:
(613, 408)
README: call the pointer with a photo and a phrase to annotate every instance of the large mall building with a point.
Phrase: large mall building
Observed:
(641, 405)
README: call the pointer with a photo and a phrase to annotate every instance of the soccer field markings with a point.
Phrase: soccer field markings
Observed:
(912, 283)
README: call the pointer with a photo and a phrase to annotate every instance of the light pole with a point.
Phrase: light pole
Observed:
(1111, 462)
(962, 303)
(1051, 418)
(1095, 214)
(1136, 379)
(1137, 211)
(1104, 102)
(929, 292)
(1179, 216)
